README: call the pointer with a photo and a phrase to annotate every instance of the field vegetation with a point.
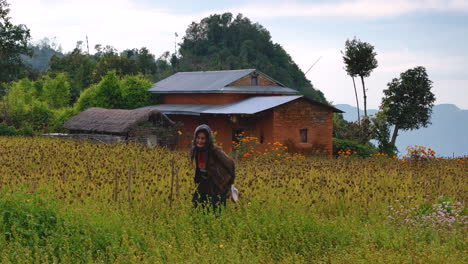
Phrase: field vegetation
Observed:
(78, 202)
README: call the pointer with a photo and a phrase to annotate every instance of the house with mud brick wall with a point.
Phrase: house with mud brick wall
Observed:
(246, 101)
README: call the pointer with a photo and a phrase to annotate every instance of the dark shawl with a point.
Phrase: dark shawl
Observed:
(219, 166)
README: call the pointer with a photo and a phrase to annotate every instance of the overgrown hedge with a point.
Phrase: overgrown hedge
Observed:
(345, 144)
(11, 131)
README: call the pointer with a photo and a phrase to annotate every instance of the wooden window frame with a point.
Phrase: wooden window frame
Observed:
(303, 137)
(254, 79)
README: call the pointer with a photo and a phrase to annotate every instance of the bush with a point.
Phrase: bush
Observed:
(88, 98)
(135, 91)
(11, 131)
(7, 131)
(24, 110)
(40, 117)
(344, 144)
(112, 92)
(419, 153)
(60, 117)
(56, 91)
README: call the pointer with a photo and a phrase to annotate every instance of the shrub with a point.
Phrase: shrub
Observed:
(112, 92)
(11, 131)
(7, 130)
(135, 91)
(61, 116)
(56, 91)
(360, 149)
(419, 153)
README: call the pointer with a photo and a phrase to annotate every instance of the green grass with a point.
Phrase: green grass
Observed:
(37, 228)
(57, 205)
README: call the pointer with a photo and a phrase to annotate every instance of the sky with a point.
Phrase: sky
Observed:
(405, 34)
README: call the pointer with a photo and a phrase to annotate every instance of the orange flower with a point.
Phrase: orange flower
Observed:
(246, 155)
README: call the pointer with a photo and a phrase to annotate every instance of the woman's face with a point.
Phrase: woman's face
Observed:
(200, 140)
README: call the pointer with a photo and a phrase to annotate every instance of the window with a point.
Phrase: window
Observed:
(254, 80)
(303, 135)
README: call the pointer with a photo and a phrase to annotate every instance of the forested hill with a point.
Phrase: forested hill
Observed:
(42, 53)
(222, 42)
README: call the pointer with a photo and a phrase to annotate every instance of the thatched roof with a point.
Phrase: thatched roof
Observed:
(114, 121)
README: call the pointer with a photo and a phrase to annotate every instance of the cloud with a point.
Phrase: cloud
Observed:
(351, 8)
(125, 24)
(120, 23)
(448, 73)
(402, 60)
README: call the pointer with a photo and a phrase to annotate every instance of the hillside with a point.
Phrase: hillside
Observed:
(447, 134)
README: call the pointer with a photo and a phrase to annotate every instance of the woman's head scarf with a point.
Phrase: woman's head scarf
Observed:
(209, 140)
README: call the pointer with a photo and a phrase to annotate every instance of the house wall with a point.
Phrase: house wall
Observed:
(189, 125)
(299, 114)
(153, 136)
(257, 126)
(101, 138)
(280, 124)
(213, 99)
(247, 81)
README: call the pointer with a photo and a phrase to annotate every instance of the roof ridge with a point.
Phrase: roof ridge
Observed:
(216, 71)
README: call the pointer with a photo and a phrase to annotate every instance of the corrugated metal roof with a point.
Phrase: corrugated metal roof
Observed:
(181, 109)
(250, 105)
(259, 89)
(215, 82)
(241, 90)
(198, 81)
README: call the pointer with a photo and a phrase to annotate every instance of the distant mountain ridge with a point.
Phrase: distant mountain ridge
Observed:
(447, 134)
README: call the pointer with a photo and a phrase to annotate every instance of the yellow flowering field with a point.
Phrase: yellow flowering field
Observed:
(64, 201)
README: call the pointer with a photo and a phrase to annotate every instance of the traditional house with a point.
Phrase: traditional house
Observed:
(248, 101)
(146, 126)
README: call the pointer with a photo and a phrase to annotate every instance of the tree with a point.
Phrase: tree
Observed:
(347, 54)
(225, 42)
(23, 109)
(79, 67)
(135, 91)
(408, 101)
(13, 42)
(56, 91)
(359, 58)
(112, 92)
(380, 130)
(108, 59)
(42, 51)
(145, 61)
(109, 91)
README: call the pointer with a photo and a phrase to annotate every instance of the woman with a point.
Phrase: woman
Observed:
(214, 170)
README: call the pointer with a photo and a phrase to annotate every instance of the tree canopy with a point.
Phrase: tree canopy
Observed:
(408, 101)
(359, 59)
(222, 42)
(13, 43)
